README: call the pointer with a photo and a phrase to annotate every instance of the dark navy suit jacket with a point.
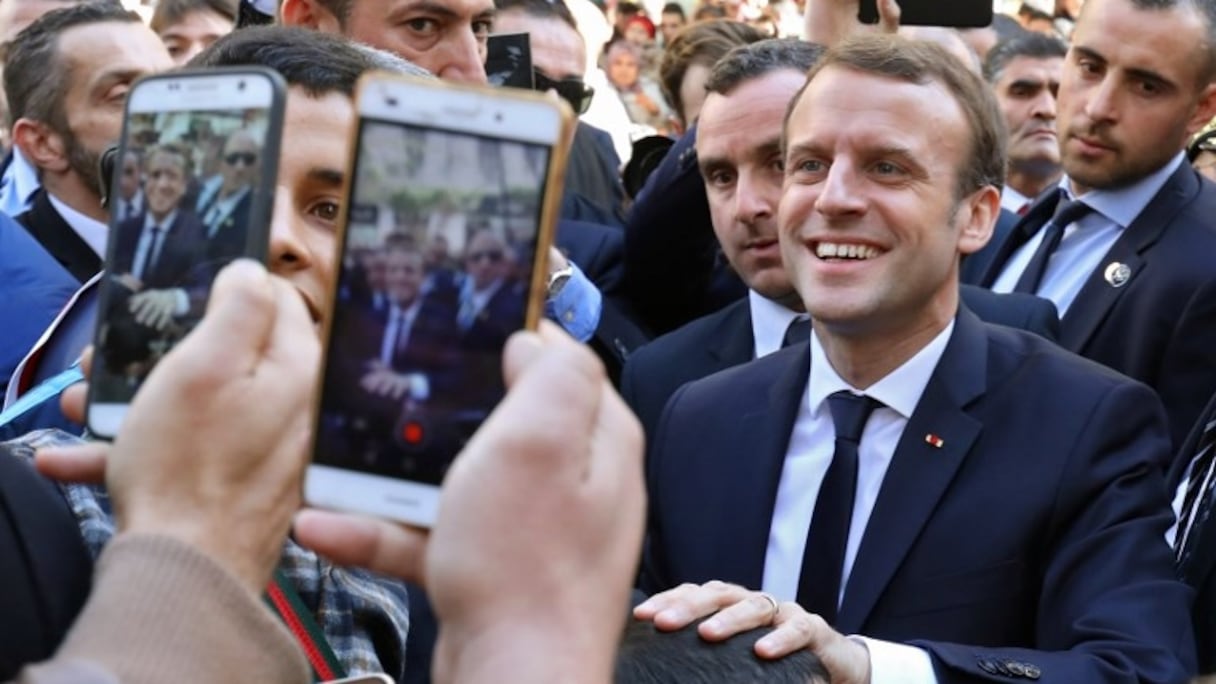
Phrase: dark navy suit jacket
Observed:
(1158, 326)
(1033, 532)
(724, 339)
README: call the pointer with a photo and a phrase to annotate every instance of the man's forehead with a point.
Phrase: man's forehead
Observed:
(1026, 64)
(93, 51)
(393, 8)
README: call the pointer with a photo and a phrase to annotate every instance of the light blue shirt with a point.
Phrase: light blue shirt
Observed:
(577, 307)
(1086, 242)
(18, 185)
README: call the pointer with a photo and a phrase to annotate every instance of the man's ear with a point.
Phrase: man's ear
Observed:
(44, 148)
(982, 207)
(309, 14)
(1204, 112)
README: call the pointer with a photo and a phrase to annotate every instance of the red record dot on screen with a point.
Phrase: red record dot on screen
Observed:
(412, 433)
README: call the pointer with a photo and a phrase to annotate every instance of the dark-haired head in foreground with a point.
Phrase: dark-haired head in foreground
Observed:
(650, 656)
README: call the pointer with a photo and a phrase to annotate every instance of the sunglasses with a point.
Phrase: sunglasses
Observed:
(493, 256)
(246, 158)
(572, 90)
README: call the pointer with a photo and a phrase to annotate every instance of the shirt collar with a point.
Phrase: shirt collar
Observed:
(166, 223)
(93, 232)
(769, 323)
(23, 175)
(900, 390)
(1013, 200)
(1123, 205)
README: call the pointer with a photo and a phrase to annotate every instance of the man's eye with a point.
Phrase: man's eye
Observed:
(887, 168)
(325, 210)
(423, 26)
(483, 27)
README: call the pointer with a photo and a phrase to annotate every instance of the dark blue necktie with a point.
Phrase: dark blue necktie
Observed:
(823, 560)
(1067, 212)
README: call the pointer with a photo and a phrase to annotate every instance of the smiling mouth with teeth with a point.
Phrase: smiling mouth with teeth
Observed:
(834, 250)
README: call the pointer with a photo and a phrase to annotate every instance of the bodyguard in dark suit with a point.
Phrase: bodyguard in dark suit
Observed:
(916, 476)
(224, 206)
(1131, 273)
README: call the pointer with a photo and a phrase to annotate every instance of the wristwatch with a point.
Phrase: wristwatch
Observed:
(558, 279)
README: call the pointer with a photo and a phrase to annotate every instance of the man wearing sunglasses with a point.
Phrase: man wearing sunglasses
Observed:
(225, 200)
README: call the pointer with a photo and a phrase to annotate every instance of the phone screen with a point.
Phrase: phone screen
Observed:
(509, 61)
(437, 263)
(957, 13)
(191, 181)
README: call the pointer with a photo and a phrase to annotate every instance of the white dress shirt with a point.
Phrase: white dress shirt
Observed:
(93, 232)
(812, 444)
(770, 320)
(1013, 200)
(1086, 242)
(18, 185)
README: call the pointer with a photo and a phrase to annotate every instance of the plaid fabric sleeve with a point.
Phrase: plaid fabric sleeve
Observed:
(365, 617)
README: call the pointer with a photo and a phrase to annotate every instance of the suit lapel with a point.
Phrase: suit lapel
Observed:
(59, 239)
(919, 473)
(733, 342)
(1098, 295)
(754, 474)
(1038, 214)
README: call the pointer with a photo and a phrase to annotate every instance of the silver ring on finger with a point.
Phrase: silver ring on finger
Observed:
(773, 602)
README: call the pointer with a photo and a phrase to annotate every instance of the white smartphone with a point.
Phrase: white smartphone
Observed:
(192, 190)
(451, 208)
(362, 679)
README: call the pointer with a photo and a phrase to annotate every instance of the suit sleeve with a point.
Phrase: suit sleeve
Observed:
(1187, 377)
(1109, 607)
(655, 575)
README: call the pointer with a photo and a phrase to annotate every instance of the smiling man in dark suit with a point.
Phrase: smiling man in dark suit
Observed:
(975, 501)
(225, 203)
(738, 145)
(1131, 274)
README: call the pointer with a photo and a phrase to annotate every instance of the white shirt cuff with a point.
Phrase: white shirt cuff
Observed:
(892, 663)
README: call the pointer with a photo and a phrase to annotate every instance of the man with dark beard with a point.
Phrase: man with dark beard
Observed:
(66, 77)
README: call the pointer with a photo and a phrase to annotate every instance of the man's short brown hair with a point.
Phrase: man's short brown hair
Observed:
(703, 44)
(922, 63)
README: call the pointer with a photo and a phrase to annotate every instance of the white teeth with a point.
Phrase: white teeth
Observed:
(831, 250)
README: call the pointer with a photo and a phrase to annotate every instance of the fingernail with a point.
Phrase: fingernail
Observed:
(713, 625)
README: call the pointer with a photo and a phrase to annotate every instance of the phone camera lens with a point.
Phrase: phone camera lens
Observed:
(240, 85)
(498, 117)
(392, 101)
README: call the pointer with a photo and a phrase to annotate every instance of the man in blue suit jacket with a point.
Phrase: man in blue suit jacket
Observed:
(1001, 512)
(35, 287)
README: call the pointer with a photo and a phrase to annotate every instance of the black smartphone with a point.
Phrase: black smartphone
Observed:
(192, 191)
(509, 61)
(955, 13)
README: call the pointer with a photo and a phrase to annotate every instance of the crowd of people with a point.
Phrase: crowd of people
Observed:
(887, 355)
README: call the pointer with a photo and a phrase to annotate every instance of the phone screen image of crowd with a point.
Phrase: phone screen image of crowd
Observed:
(181, 207)
(437, 262)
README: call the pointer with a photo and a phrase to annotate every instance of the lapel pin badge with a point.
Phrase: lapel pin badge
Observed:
(934, 441)
(1118, 274)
